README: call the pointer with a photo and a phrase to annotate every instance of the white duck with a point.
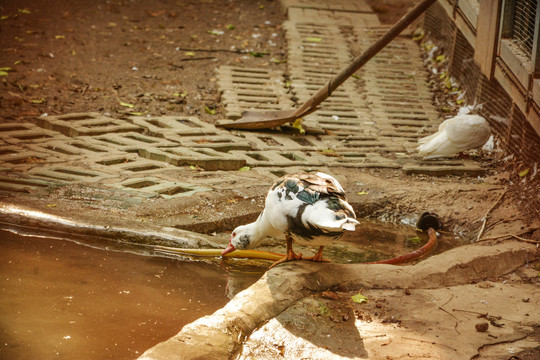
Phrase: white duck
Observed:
(455, 135)
(309, 208)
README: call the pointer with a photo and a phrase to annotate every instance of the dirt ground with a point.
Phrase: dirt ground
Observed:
(158, 57)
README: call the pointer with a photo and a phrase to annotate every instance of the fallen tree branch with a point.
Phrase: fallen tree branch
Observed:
(198, 58)
(237, 51)
(429, 342)
(487, 213)
(515, 236)
(449, 313)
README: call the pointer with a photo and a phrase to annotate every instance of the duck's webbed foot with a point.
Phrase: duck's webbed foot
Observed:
(318, 256)
(291, 255)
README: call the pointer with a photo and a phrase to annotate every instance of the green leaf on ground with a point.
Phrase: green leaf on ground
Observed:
(359, 298)
(440, 58)
(183, 94)
(126, 104)
(210, 111)
(297, 124)
(414, 240)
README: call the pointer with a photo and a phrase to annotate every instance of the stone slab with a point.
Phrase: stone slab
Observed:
(153, 186)
(332, 16)
(337, 5)
(456, 168)
(251, 89)
(85, 124)
(69, 173)
(160, 126)
(24, 185)
(21, 133)
(207, 159)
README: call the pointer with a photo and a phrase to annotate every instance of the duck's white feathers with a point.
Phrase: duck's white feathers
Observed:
(311, 208)
(460, 133)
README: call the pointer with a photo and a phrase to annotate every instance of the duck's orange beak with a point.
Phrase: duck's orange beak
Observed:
(230, 248)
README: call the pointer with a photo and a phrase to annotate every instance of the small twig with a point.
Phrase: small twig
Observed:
(452, 315)
(484, 315)
(428, 342)
(198, 58)
(526, 240)
(487, 213)
(238, 51)
(515, 236)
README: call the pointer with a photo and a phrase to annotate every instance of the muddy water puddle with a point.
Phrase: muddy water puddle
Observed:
(68, 300)
(373, 241)
(67, 297)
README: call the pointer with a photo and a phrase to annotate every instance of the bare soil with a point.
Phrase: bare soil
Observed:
(158, 56)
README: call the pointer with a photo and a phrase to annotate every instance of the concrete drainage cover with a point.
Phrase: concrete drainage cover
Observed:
(251, 89)
(22, 185)
(85, 124)
(372, 121)
(152, 186)
(443, 168)
(396, 87)
(20, 133)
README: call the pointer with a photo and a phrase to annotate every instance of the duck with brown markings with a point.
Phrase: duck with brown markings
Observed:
(308, 208)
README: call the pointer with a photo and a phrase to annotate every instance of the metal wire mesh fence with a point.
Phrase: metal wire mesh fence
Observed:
(523, 25)
(514, 135)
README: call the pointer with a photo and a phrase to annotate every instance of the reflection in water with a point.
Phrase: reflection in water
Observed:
(373, 241)
(61, 299)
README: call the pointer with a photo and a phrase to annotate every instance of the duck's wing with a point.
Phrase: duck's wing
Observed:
(468, 132)
(461, 133)
(428, 138)
(309, 205)
(309, 186)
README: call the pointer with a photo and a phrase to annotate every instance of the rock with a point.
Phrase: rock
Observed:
(482, 327)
